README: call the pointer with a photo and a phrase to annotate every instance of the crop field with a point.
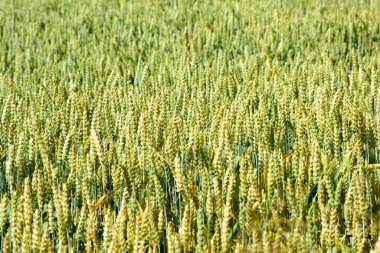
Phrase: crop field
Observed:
(189, 126)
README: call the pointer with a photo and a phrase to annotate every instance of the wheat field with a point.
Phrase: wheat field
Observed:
(189, 126)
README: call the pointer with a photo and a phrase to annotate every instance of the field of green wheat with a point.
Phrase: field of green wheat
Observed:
(189, 126)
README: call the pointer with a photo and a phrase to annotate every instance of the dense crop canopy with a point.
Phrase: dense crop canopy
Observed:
(189, 126)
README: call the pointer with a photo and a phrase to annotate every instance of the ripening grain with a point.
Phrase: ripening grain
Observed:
(189, 126)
